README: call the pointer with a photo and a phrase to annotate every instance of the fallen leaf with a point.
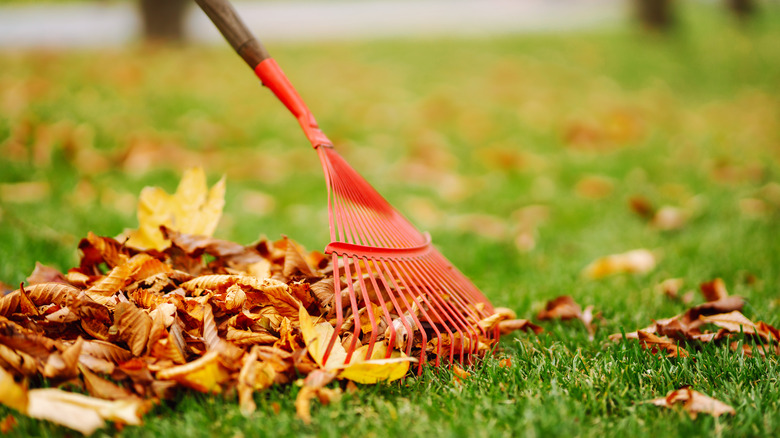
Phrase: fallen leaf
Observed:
(671, 287)
(192, 209)
(563, 307)
(638, 261)
(508, 326)
(78, 412)
(12, 394)
(8, 424)
(358, 369)
(459, 373)
(734, 322)
(694, 403)
(669, 218)
(714, 290)
(655, 343)
(204, 374)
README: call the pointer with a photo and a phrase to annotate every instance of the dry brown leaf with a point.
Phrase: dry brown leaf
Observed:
(671, 287)
(132, 325)
(45, 274)
(714, 290)
(734, 322)
(61, 365)
(506, 327)
(8, 424)
(563, 307)
(655, 343)
(303, 403)
(694, 403)
(102, 388)
(459, 373)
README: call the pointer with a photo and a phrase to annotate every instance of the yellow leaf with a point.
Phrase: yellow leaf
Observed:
(360, 370)
(76, 411)
(378, 370)
(193, 209)
(12, 394)
(638, 261)
(204, 374)
(317, 338)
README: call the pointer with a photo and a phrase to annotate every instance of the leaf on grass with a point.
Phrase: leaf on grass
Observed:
(565, 308)
(377, 369)
(638, 261)
(669, 218)
(307, 394)
(8, 424)
(655, 344)
(78, 412)
(193, 209)
(508, 326)
(459, 373)
(734, 322)
(12, 394)
(694, 403)
(714, 290)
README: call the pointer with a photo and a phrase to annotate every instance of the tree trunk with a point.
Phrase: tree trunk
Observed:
(163, 20)
(656, 15)
(742, 9)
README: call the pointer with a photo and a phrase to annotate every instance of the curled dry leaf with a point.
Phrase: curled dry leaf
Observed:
(508, 326)
(714, 290)
(564, 308)
(657, 344)
(694, 403)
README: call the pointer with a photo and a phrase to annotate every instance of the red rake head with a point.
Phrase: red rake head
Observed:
(398, 286)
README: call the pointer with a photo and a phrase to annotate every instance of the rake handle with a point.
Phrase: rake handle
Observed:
(252, 51)
(230, 25)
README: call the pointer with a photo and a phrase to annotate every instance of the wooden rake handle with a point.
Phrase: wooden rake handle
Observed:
(230, 25)
(252, 51)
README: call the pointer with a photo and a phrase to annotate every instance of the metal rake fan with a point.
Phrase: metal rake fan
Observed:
(391, 273)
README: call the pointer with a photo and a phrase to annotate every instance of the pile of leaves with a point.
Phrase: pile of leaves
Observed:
(167, 307)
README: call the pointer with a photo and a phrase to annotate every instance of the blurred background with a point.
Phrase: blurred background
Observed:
(528, 136)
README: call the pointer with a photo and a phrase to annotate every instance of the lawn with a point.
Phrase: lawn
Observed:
(520, 155)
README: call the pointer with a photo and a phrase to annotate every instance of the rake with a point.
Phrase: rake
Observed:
(398, 286)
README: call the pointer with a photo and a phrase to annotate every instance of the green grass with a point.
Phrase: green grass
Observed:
(691, 120)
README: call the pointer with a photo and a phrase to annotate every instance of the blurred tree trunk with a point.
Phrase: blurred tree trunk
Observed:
(656, 15)
(163, 19)
(742, 9)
